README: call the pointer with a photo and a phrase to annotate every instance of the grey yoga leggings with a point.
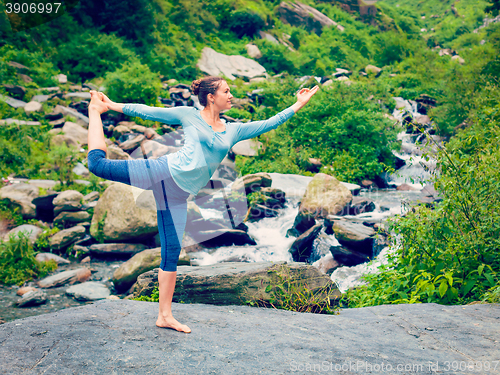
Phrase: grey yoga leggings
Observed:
(171, 200)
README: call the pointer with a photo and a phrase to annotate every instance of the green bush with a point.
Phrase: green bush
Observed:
(18, 263)
(448, 254)
(90, 54)
(244, 23)
(133, 83)
(65, 159)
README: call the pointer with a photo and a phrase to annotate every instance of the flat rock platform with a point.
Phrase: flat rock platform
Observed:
(120, 337)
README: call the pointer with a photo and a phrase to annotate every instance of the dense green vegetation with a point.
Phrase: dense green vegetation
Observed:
(448, 253)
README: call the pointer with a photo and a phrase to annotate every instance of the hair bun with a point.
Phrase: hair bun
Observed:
(195, 86)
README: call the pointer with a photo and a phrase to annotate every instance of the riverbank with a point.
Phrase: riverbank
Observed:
(120, 337)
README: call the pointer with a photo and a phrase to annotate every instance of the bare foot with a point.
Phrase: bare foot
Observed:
(96, 103)
(171, 322)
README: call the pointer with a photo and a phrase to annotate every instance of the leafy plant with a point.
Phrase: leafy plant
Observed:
(18, 263)
(290, 292)
(65, 159)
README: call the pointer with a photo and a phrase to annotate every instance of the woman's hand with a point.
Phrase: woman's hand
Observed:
(303, 97)
(305, 94)
(96, 103)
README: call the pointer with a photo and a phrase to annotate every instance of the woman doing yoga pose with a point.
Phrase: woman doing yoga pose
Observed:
(173, 177)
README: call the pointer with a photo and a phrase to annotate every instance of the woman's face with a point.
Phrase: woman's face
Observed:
(223, 97)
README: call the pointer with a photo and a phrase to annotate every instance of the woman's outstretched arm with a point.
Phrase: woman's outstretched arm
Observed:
(95, 138)
(166, 115)
(256, 128)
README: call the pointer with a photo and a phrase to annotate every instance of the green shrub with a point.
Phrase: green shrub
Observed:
(90, 54)
(65, 159)
(244, 23)
(18, 263)
(133, 83)
(448, 254)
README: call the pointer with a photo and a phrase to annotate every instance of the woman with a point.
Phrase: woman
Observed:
(173, 177)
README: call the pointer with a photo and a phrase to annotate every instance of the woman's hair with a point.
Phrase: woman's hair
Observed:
(203, 87)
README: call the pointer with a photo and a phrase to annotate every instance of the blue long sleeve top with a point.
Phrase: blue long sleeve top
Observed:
(204, 149)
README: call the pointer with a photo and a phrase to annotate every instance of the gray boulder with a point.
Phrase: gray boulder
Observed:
(302, 246)
(88, 291)
(126, 275)
(32, 298)
(298, 14)
(68, 200)
(215, 64)
(233, 283)
(118, 217)
(78, 275)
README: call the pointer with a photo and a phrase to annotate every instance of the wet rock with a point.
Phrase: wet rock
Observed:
(225, 237)
(355, 236)
(347, 257)
(32, 298)
(66, 237)
(326, 264)
(32, 231)
(361, 205)
(259, 211)
(301, 224)
(126, 275)
(252, 182)
(324, 196)
(88, 291)
(302, 246)
(45, 257)
(66, 277)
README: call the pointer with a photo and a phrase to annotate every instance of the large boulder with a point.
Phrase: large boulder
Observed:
(298, 14)
(234, 283)
(214, 63)
(324, 196)
(126, 275)
(302, 246)
(117, 217)
(21, 195)
(355, 236)
(75, 132)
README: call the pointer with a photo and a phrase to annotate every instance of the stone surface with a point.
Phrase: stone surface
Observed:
(252, 340)
(72, 217)
(248, 147)
(88, 291)
(298, 14)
